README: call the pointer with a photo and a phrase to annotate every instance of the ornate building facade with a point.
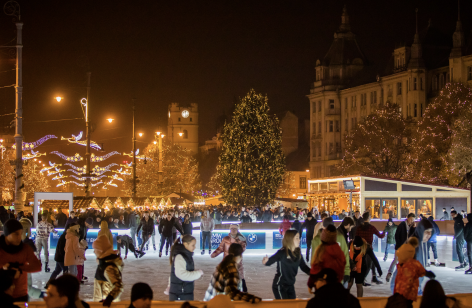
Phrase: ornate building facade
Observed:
(347, 88)
(182, 125)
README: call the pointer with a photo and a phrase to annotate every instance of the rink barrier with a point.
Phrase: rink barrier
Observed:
(366, 302)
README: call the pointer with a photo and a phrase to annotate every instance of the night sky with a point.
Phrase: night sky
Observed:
(206, 52)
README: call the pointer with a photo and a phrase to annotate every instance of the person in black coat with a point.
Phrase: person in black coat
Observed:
(59, 257)
(124, 241)
(187, 225)
(309, 224)
(459, 237)
(331, 293)
(147, 226)
(404, 230)
(165, 230)
(266, 215)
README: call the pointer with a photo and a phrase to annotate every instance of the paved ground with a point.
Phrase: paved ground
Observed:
(155, 271)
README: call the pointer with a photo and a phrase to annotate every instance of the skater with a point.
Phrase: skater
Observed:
(165, 230)
(432, 242)
(459, 237)
(289, 258)
(329, 292)
(147, 226)
(59, 257)
(409, 270)
(233, 237)
(73, 253)
(285, 225)
(17, 256)
(133, 226)
(309, 225)
(183, 273)
(108, 284)
(153, 235)
(468, 238)
(124, 241)
(367, 231)
(141, 295)
(445, 215)
(206, 226)
(71, 219)
(226, 279)
(390, 230)
(358, 252)
(328, 255)
(187, 225)
(104, 230)
(43, 230)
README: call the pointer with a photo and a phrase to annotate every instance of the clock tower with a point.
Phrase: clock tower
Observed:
(182, 125)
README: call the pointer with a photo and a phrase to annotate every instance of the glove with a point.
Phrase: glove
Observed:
(430, 275)
(107, 302)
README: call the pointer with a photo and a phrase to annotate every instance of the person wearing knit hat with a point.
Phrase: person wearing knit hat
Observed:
(108, 284)
(17, 256)
(409, 270)
(328, 255)
(141, 295)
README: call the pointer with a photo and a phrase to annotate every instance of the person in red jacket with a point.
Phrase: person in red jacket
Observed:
(18, 256)
(285, 225)
(327, 255)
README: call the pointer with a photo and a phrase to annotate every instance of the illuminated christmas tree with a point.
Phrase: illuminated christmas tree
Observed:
(380, 145)
(251, 164)
(288, 188)
(459, 158)
(435, 133)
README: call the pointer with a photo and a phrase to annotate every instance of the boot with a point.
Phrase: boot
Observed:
(141, 254)
(385, 258)
(209, 252)
(46, 268)
(167, 252)
(461, 267)
(154, 247)
(469, 271)
(376, 280)
(160, 254)
(436, 262)
(147, 247)
(203, 252)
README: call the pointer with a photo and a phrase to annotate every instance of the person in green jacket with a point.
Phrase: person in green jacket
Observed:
(339, 239)
(390, 229)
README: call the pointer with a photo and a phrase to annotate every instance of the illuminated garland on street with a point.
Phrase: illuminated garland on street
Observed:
(60, 176)
(32, 155)
(110, 184)
(73, 171)
(55, 172)
(76, 139)
(62, 183)
(92, 178)
(119, 171)
(140, 157)
(97, 170)
(74, 158)
(29, 146)
(52, 165)
(79, 169)
(116, 177)
(94, 158)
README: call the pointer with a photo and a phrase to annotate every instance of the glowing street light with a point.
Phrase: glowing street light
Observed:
(158, 133)
(162, 136)
(110, 120)
(140, 134)
(180, 134)
(58, 98)
(155, 142)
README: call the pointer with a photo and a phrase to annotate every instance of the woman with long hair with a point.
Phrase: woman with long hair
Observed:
(183, 273)
(105, 231)
(225, 279)
(435, 297)
(187, 225)
(289, 259)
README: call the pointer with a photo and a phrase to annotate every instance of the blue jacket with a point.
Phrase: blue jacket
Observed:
(436, 231)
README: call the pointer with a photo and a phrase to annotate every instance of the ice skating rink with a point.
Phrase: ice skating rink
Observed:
(155, 271)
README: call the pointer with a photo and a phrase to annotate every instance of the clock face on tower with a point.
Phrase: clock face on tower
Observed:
(185, 114)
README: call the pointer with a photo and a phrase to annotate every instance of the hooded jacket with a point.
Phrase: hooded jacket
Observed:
(422, 249)
(334, 258)
(436, 230)
(390, 231)
(224, 248)
(73, 252)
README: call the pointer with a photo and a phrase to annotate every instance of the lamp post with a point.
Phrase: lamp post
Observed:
(12, 8)
(133, 194)
(87, 134)
(159, 137)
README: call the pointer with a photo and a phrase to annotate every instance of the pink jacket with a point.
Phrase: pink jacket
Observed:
(74, 255)
(224, 247)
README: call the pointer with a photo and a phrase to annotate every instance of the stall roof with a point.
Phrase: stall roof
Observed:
(86, 202)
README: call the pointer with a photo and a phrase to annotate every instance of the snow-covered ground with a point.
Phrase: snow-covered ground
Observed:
(155, 271)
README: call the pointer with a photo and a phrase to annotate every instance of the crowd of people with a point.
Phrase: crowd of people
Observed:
(336, 258)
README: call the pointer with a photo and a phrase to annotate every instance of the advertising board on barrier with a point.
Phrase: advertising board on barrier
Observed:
(254, 240)
(91, 237)
(277, 240)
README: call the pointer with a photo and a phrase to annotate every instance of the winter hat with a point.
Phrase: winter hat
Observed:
(309, 214)
(329, 234)
(75, 229)
(220, 301)
(102, 246)
(89, 221)
(328, 221)
(141, 290)
(12, 225)
(358, 241)
(407, 251)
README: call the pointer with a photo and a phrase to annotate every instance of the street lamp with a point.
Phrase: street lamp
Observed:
(58, 98)
(140, 134)
(110, 120)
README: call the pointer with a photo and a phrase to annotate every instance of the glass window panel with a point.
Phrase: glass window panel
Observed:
(424, 206)
(373, 207)
(323, 186)
(389, 208)
(408, 206)
(333, 186)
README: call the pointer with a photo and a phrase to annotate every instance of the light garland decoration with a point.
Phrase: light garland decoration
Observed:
(140, 157)
(119, 171)
(130, 165)
(97, 170)
(52, 165)
(73, 171)
(92, 178)
(95, 158)
(83, 184)
(74, 158)
(33, 155)
(79, 169)
(55, 172)
(29, 146)
(76, 139)
(62, 183)
(110, 184)
(116, 177)
(96, 184)
(60, 176)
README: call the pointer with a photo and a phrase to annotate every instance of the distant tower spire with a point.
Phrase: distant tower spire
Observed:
(416, 11)
(345, 26)
(416, 60)
(458, 38)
